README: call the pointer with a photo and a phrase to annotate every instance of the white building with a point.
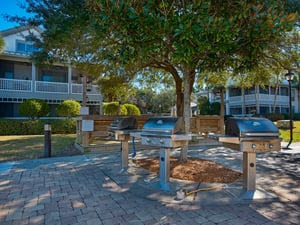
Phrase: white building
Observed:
(256, 100)
(21, 79)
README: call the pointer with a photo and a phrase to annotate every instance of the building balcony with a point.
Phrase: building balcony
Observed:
(52, 91)
(262, 99)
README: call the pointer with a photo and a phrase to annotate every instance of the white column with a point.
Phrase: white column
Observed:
(33, 76)
(70, 79)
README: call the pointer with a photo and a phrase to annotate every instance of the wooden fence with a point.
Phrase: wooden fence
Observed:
(91, 126)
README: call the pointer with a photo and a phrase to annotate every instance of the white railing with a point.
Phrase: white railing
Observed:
(76, 88)
(51, 87)
(45, 87)
(15, 85)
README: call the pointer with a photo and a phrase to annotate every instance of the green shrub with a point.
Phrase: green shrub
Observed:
(35, 127)
(68, 109)
(112, 109)
(34, 108)
(66, 126)
(296, 116)
(132, 109)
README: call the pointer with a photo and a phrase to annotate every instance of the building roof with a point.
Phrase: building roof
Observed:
(15, 30)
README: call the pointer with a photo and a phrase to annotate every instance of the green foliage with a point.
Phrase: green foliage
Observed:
(182, 38)
(34, 127)
(68, 108)
(115, 88)
(149, 101)
(34, 108)
(1, 44)
(132, 109)
(215, 108)
(207, 108)
(203, 105)
(114, 108)
(296, 116)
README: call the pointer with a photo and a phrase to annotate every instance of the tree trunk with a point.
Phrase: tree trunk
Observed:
(256, 91)
(179, 97)
(275, 97)
(244, 102)
(188, 80)
(183, 92)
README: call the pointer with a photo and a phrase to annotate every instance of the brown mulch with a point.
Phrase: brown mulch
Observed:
(194, 169)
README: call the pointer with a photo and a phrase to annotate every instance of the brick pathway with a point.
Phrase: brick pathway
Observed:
(89, 190)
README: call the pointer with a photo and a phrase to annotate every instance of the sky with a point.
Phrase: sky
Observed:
(10, 7)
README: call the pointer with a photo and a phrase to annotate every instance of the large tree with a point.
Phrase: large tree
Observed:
(187, 37)
(183, 38)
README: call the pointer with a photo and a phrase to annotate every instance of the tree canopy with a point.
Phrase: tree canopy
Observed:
(183, 38)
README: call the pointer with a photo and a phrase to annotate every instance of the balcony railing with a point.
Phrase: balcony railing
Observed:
(51, 87)
(44, 87)
(15, 85)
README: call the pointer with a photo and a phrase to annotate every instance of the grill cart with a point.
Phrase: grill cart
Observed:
(166, 133)
(250, 135)
(121, 129)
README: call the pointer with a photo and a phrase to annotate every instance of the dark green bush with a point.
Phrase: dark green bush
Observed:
(296, 116)
(34, 127)
(273, 116)
(34, 108)
(68, 109)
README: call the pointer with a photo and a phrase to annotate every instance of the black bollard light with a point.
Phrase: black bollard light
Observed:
(47, 140)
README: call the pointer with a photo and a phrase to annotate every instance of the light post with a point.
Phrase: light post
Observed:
(289, 77)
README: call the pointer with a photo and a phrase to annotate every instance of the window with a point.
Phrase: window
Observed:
(250, 91)
(235, 111)
(273, 90)
(235, 92)
(25, 46)
(264, 109)
(47, 77)
(264, 90)
(284, 91)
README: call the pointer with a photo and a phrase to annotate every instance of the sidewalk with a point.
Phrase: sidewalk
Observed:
(90, 189)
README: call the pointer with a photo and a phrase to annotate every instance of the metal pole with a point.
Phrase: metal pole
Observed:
(84, 90)
(291, 114)
(47, 140)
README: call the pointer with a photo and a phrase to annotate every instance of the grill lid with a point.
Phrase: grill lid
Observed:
(123, 123)
(250, 127)
(163, 125)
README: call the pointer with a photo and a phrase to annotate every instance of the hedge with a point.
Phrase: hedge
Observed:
(35, 127)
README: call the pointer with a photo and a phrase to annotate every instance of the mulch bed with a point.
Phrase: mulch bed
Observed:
(194, 169)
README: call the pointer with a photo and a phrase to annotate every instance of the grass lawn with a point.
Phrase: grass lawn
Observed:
(285, 134)
(32, 146)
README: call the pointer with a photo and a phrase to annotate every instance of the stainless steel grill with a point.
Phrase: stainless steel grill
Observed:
(123, 123)
(250, 135)
(166, 133)
(121, 129)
